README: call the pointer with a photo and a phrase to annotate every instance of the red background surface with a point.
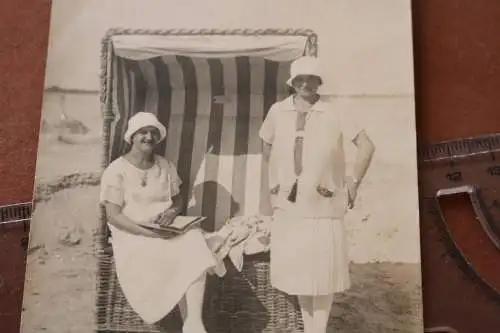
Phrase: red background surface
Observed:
(457, 71)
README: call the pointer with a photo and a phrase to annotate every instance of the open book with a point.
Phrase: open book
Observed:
(179, 225)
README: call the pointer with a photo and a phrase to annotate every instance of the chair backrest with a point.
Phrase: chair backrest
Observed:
(213, 109)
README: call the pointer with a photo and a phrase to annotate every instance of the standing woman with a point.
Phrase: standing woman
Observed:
(155, 273)
(310, 192)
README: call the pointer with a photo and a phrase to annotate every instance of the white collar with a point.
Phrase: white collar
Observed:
(320, 105)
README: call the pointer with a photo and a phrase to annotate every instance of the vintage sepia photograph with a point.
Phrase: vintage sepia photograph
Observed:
(228, 166)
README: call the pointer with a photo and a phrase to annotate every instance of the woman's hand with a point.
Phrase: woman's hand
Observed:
(123, 223)
(155, 234)
(166, 218)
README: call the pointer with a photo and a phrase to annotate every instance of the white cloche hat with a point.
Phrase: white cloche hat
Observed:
(143, 119)
(305, 65)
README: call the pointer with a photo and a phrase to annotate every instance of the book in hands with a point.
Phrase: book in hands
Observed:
(179, 225)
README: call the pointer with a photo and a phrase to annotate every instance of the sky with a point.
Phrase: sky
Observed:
(365, 46)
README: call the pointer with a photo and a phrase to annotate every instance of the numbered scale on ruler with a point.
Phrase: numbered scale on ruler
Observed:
(14, 232)
(461, 260)
(468, 166)
(15, 216)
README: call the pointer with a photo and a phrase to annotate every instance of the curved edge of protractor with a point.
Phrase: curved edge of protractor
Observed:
(470, 167)
(479, 209)
(466, 263)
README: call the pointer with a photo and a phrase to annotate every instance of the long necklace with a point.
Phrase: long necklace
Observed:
(303, 114)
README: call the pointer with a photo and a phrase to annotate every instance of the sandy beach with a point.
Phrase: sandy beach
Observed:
(61, 271)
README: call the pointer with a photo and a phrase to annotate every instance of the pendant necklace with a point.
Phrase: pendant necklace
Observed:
(145, 173)
(144, 180)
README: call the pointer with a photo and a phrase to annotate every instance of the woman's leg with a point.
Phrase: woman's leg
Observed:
(193, 310)
(322, 306)
(307, 310)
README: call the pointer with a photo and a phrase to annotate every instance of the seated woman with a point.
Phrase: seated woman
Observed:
(156, 273)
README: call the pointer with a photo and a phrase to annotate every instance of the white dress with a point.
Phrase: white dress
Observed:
(309, 254)
(153, 273)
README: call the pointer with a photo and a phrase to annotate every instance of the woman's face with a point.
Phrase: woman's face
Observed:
(306, 85)
(146, 139)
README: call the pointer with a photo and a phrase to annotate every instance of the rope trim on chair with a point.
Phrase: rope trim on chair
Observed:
(107, 44)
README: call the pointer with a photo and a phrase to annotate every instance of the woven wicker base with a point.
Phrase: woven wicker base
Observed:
(246, 302)
(113, 311)
(242, 302)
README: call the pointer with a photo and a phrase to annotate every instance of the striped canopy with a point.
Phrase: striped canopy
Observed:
(212, 100)
(277, 48)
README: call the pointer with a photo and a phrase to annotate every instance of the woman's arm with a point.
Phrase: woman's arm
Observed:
(120, 221)
(266, 150)
(173, 211)
(364, 154)
(267, 133)
(177, 204)
(365, 151)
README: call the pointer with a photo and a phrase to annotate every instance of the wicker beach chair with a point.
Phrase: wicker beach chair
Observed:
(212, 88)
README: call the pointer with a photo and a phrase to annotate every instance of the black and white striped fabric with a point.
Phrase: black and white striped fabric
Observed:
(213, 109)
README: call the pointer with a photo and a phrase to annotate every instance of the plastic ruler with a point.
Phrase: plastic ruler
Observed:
(460, 260)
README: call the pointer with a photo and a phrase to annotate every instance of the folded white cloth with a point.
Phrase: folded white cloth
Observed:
(258, 243)
(236, 256)
(239, 236)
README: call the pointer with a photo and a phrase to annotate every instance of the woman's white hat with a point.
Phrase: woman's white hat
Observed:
(305, 65)
(143, 119)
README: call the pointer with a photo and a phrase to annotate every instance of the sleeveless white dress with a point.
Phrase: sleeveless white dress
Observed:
(153, 273)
